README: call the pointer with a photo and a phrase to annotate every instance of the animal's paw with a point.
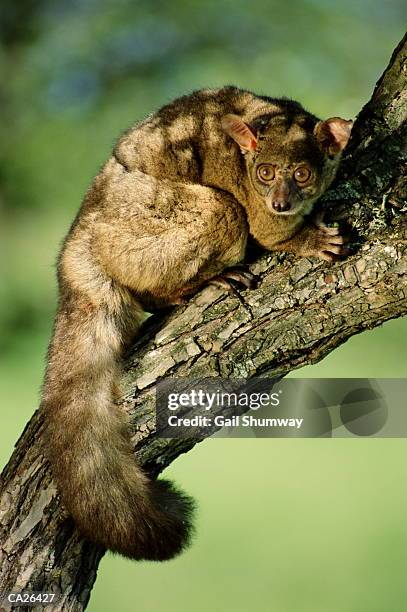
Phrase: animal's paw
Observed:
(238, 274)
(327, 242)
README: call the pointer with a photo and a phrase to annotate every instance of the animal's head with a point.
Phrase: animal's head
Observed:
(291, 157)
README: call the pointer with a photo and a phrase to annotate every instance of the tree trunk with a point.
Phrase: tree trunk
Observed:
(301, 310)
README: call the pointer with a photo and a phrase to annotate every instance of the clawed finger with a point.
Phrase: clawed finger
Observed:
(337, 240)
(332, 248)
(332, 231)
(333, 252)
(222, 283)
(327, 256)
(245, 278)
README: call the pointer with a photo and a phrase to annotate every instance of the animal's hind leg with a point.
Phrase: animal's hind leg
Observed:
(172, 239)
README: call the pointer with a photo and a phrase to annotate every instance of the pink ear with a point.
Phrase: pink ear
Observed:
(333, 134)
(239, 131)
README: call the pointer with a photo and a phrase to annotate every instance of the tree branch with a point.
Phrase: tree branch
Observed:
(301, 310)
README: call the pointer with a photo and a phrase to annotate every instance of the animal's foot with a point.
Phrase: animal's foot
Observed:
(237, 274)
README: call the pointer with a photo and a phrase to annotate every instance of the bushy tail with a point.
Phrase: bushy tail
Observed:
(88, 444)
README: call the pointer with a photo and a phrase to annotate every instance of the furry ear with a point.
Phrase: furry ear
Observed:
(241, 133)
(333, 134)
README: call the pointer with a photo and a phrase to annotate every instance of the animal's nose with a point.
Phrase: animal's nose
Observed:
(281, 205)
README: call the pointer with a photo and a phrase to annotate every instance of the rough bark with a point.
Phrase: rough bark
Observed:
(301, 310)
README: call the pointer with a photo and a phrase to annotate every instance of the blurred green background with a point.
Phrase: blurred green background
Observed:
(284, 525)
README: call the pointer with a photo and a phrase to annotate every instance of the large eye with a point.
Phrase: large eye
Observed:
(302, 174)
(266, 173)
